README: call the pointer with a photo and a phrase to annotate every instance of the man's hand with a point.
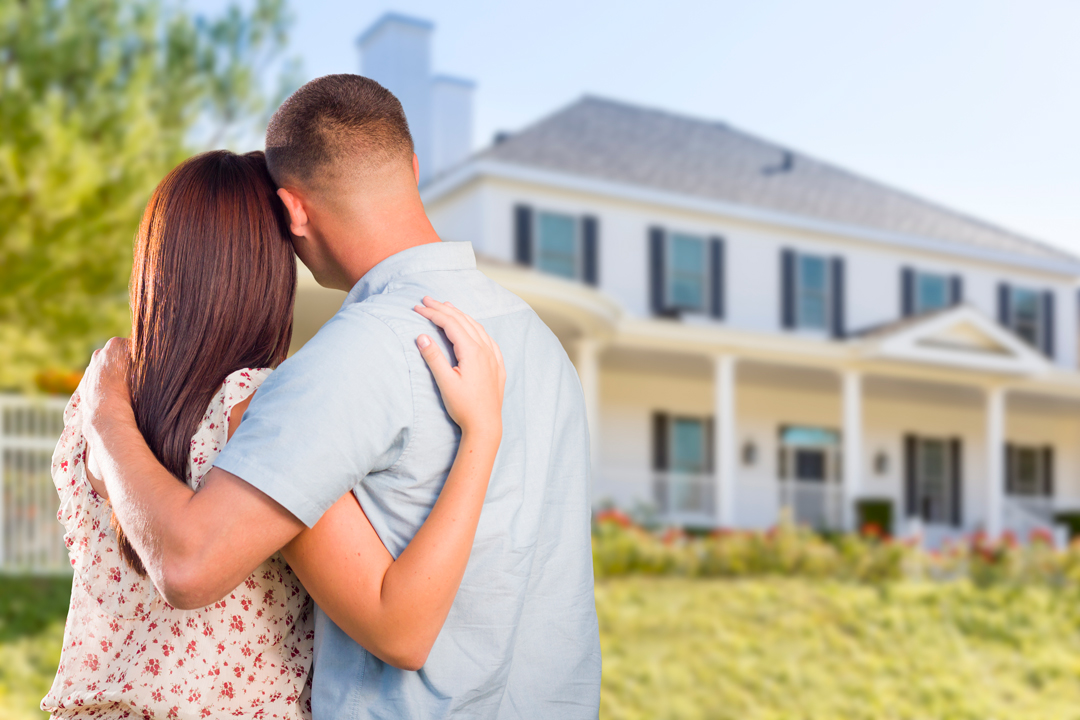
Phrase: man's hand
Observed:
(105, 395)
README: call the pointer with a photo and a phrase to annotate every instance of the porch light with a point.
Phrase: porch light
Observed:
(881, 463)
(749, 453)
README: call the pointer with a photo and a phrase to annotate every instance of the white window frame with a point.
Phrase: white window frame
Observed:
(539, 245)
(1014, 292)
(798, 290)
(704, 425)
(669, 269)
(1041, 472)
(947, 480)
(917, 302)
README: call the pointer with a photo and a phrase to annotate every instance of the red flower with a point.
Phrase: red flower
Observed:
(614, 516)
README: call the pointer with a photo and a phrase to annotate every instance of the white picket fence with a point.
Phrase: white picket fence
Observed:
(31, 538)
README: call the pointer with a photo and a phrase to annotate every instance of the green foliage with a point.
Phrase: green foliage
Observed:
(98, 100)
(781, 648)
(32, 612)
(29, 605)
(622, 548)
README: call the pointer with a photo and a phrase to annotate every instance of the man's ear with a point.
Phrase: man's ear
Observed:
(298, 219)
(416, 168)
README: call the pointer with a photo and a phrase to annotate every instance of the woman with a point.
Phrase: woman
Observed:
(211, 295)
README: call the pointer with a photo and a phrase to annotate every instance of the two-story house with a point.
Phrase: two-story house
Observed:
(756, 329)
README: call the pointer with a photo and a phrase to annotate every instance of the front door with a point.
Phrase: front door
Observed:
(933, 480)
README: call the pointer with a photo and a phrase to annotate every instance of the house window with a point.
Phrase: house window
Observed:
(557, 244)
(687, 280)
(1028, 471)
(812, 292)
(688, 446)
(931, 292)
(1026, 314)
(933, 481)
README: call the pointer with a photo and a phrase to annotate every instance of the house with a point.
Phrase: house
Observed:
(756, 329)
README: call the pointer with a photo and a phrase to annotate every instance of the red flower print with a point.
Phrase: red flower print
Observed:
(227, 690)
(237, 624)
(153, 666)
(91, 662)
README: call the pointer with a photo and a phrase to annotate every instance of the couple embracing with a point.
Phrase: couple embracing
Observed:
(393, 523)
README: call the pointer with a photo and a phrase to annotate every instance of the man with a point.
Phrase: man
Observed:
(357, 410)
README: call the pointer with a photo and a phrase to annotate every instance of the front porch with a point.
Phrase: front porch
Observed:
(948, 422)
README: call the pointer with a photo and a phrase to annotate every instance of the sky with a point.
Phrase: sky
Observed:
(974, 104)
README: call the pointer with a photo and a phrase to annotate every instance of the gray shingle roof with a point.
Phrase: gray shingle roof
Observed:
(624, 143)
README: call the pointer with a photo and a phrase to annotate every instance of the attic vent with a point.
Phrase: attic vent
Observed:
(787, 164)
(501, 137)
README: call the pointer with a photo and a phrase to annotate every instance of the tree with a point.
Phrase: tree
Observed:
(99, 99)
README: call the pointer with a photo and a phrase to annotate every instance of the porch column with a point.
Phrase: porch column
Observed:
(725, 460)
(587, 361)
(995, 470)
(853, 441)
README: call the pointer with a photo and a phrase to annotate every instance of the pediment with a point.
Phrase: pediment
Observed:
(958, 337)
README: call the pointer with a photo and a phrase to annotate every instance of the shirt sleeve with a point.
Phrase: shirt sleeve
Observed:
(337, 410)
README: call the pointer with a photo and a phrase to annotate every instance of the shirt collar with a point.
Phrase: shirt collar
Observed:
(422, 258)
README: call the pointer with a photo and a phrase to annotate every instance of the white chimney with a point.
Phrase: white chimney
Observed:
(396, 53)
(451, 112)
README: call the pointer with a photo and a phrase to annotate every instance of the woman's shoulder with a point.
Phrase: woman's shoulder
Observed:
(213, 431)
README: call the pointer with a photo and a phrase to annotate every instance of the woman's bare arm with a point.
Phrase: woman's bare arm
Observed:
(396, 608)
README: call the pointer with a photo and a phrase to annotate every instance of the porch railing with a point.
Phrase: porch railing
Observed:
(1024, 514)
(685, 498)
(31, 539)
(817, 504)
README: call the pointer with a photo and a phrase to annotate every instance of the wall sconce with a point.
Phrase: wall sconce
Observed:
(749, 453)
(881, 463)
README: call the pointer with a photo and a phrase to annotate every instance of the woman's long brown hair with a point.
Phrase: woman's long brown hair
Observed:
(212, 291)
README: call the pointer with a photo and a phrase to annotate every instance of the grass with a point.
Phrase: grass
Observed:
(32, 611)
(753, 649)
(772, 649)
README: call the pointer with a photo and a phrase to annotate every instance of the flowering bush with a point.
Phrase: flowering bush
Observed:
(621, 547)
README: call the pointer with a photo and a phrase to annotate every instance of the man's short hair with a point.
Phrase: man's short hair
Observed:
(335, 128)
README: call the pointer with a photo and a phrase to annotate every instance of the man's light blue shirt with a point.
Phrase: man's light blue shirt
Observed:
(356, 409)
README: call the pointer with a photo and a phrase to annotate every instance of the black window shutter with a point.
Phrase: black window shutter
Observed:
(523, 231)
(1048, 470)
(956, 289)
(710, 445)
(660, 441)
(907, 292)
(1048, 324)
(590, 240)
(716, 277)
(1010, 469)
(656, 270)
(911, 449)
(839, 329)
(1004, 305)
(787, 289)
(956, 455)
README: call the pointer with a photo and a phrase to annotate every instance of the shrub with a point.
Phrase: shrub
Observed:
(620, 547)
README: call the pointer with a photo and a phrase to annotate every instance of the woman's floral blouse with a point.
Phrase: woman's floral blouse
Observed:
(129, 654)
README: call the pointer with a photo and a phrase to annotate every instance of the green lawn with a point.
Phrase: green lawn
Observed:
(798, 649)
(787, 649)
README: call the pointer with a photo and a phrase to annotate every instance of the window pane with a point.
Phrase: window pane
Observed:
(1025, 313)
(933, 481)
(1027, 471)
(688, 446)
(557, 244)
(810, 465)
(813, 294)
(931, 292)
(686, 274)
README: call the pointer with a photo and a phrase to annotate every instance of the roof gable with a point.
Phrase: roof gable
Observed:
(958, 337)
(613, 141)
